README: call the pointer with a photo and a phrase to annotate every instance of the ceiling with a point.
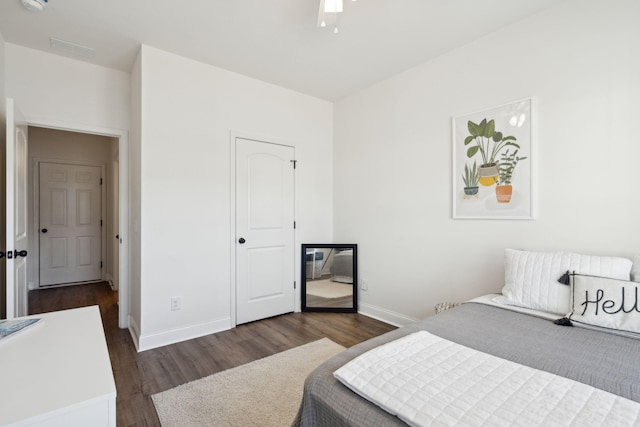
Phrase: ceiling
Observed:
(276, 41)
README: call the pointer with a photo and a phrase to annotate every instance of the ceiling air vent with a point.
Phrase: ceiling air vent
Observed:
(72, 48)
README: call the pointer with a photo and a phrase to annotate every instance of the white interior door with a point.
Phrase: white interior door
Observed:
(16, 212)
(70, 223)
(265, 271)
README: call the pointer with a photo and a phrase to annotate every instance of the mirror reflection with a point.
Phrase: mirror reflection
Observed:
(329, 277)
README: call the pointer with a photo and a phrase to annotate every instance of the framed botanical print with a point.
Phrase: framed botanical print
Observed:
(492, 163)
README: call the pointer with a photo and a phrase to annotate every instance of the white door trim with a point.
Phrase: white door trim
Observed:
(36, 213)
(16, 297)
(233, 135)
(123, 198)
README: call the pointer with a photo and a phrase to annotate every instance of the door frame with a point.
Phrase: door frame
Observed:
(233, 135)
(123, 201)
(13, 304)
(36, 216)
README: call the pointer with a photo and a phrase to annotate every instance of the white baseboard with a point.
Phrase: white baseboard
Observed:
(147, 342)
(109, 279)
(134, 330)
(384, 315)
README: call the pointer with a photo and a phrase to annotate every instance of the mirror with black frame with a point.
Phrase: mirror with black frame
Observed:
(330, 277)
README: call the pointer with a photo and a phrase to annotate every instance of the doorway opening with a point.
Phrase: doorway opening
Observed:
(74, 215)
(82, 143)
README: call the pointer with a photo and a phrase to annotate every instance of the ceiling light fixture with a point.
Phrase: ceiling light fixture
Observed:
(35, 5)
(333, 6)
(328, 13)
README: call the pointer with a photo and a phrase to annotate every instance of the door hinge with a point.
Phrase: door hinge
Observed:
(100, 223)
(100, 264)
(294, 284)
(100, 181)
(294, 163)
(294, 225)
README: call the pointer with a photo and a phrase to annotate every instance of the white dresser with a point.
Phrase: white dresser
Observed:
(58, 373)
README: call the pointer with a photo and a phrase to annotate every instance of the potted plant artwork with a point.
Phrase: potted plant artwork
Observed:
(471, 179)
(506, 168)
(486, 140)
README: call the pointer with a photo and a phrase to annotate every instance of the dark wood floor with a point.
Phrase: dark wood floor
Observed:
(139, 375)
(314, 301)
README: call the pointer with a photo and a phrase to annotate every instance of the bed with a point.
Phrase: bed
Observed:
(342, 267)
(596, 357)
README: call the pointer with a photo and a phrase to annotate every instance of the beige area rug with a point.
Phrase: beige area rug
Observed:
(266, 392)
(328, 289)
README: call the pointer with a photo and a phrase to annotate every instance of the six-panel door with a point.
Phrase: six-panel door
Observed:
(70, 229)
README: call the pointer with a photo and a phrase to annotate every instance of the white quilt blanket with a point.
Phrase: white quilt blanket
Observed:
(426, 380)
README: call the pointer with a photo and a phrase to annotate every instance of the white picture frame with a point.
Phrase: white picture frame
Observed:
(499, 141)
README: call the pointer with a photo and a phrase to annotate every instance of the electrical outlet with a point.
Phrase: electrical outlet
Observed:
(175, 303)
(364, 284)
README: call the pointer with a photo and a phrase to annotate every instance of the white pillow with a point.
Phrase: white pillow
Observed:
(635, 270)
(531, 278)
(604, 302)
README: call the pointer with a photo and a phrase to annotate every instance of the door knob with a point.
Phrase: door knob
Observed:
(44, 230)
(241, 240)
(18, 253)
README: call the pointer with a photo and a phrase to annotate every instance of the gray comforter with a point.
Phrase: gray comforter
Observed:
(600, 359)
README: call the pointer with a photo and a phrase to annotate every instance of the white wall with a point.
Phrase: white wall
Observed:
(188, 111)
(56, 145)
(135, 150)
(113, 220)
(59, 92)
(393, 156)
(49, 87)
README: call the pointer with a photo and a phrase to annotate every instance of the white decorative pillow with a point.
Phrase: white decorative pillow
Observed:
(531, 278)
(635, 269)
(604, 302)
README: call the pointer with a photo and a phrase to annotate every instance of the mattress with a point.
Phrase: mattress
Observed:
(426, 380)
(599, 359)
